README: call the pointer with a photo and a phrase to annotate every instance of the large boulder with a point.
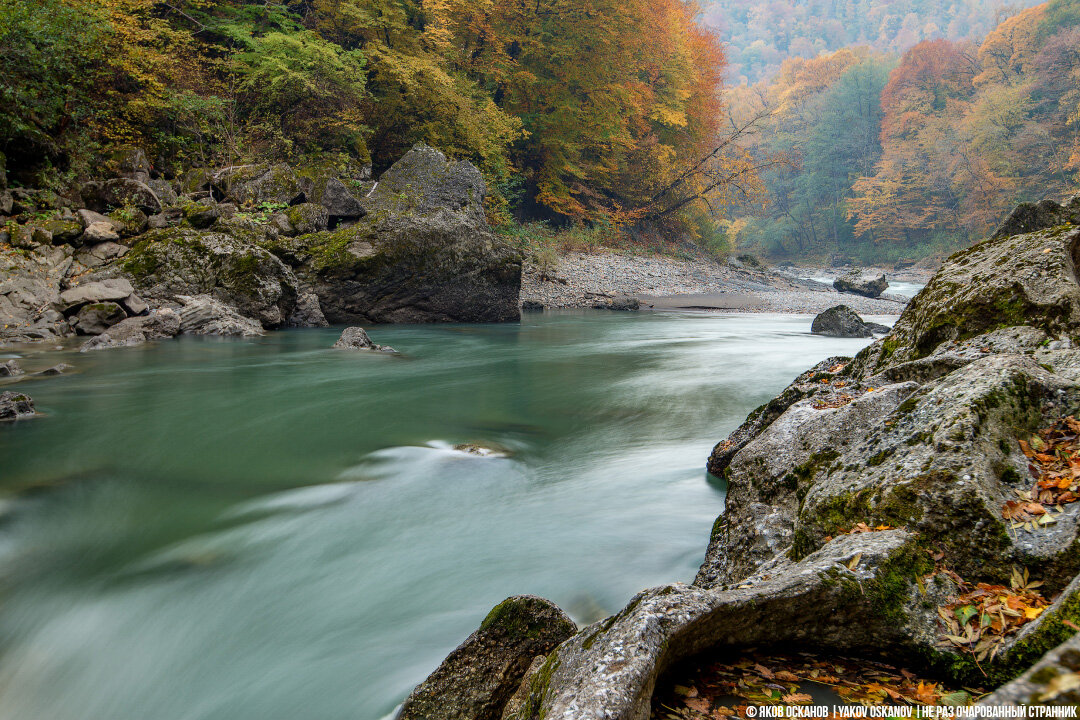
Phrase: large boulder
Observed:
(250, 185)
(158, 325)
(96, 318)
(842, 321)
(858, 284)
(1031, 217)
(174, 262)
(14, 406)
(1018, 281)
(477, 679)
(97, 291)
(423, 253)
(104, 195)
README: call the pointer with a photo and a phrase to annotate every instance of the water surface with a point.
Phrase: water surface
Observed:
(269, 529)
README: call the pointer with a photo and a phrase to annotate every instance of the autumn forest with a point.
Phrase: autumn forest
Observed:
(787, 129)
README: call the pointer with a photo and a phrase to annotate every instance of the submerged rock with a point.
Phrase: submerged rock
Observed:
(477, 679)
(842, 321)
(354, 338)
(14, 406)
(58, 369)
(854, 282)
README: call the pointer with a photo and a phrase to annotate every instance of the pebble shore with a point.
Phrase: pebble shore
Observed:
(588, 280)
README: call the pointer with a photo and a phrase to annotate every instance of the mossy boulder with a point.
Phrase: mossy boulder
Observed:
(172, 262)
(307, 218)
(1023, 280)
(478, 678)
(201, 215)
(424, 252)
(64, 231)
(102, 196)
(251, 185)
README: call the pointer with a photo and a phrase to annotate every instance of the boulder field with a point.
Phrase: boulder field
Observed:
(867, 503)
(240, 250)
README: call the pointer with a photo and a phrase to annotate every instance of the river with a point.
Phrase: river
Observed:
(268, 529)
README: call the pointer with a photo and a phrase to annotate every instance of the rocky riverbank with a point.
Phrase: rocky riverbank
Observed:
(584, 280)
(919, 502)
(241, 250)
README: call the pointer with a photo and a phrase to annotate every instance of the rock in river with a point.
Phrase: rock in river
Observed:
(423, 253)
(477, 679)
(15, 405)
(842, 321)
(354, 338)
(854, 282)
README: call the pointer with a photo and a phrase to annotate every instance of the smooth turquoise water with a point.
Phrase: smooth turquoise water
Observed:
(269, 529)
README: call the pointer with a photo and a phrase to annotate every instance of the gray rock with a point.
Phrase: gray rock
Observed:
(620, 301)
(100, 232)
(58, 369)
(97, 291)
(842, 321)
(30, 293)
(201, 215)
(854, 282)
(164, 190)
(14, 406)
(339, 202)
(10, 368)
(204, 315)
(249, 185)
(135, 305)
(129, 222)
(308, 312)
(424, 207)
(22, 236)
(100, 254)
(608, 670)
(306, 218)
(231, 268)
(1022, 280)
(119, 192)
(280, 222)
(89, 217)
(63, 230)
(158, 325)
(354, 338)
(1032, 217)
(131, 162)
(96, 318)
(477, 679)
(157, 222)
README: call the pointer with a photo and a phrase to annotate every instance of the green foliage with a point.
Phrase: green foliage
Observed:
(51, 55)
(299, 89)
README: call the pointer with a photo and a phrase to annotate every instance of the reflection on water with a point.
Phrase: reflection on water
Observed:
(268, 528)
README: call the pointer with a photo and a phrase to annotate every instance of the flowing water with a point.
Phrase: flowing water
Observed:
(270, 529)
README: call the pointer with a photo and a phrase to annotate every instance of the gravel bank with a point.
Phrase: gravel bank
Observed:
(587, 280)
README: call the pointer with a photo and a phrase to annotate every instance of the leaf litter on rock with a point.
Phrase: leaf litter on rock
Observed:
(725, 688)
(1053, 456)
